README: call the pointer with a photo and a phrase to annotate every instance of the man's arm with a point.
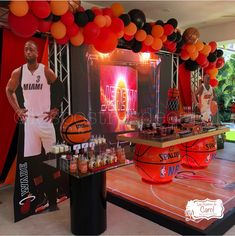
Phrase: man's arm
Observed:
(57, 93)
(214, 96)
(196, 94)
(11, 87)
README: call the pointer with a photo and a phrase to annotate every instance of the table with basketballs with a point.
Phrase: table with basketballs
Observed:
(158, 161)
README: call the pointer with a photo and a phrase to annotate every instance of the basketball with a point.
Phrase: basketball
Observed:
(75, 129)
(74, 5)
(157, 165)
(213, 108)
(199, 153)
(191, 35)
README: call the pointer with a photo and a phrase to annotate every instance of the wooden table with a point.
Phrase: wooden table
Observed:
(138, 138)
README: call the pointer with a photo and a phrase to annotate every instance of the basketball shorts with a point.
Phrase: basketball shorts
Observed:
(38, 133)
(206, 113)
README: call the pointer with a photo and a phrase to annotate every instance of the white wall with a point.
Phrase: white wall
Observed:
(219, 33)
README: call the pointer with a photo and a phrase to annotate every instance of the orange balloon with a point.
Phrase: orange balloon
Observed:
(194, 55)
(157, 44)
(163, 38)
(78, 39)
(59, 8)
(213, 72)
(157, 31)
(140, 35)
(206, 50)
(58, 30)
(130, 29)
(120, 34)
(149, 40)
(199, 45)
(100, 21)
(19, 8)
(108, 20)
(212, 77)
(117, 9)
(190, 48)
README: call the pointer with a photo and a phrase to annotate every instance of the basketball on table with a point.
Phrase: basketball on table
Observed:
(199, 153)
(213, 108)
(157, 165)
(75, 129)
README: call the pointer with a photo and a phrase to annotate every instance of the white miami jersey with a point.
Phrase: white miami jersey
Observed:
(36, 91)
(206, 98)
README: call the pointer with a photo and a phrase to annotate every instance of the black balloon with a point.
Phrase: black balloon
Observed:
(159, 22)
(137, 17)
(136, 46)
(212, 57)
(90, 14)
(172, 37)
(178, 37)
(55, 18)
(125, 18)
(173, 22)
(49, 18)
(4, 3)
(191, 65)
(147, 28)
(180, 44)
(81, 18)
(219, 52)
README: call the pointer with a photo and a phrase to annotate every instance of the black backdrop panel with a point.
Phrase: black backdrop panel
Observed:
(85, 83)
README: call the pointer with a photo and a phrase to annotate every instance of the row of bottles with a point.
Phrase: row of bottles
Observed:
(91, 156)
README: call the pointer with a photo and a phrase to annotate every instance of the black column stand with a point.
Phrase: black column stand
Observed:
(88, 204)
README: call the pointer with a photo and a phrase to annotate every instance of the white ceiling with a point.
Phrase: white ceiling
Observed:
(188, 13)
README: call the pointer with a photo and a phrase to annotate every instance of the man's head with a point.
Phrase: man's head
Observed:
(206, 79)
(31, 52)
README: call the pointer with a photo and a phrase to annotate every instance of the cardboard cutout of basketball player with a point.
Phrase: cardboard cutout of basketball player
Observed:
(203, 98)
(29, 92)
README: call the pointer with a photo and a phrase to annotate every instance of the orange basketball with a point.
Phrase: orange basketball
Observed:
(157, 165)
(213, 108)
(199, 153)
(75, 129)
(191, 35)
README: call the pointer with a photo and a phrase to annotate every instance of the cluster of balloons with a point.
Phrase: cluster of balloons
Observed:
(99, 27)
(197, 54)
(105, 28)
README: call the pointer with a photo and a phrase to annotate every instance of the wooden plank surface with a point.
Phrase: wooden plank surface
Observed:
(135, 137)
(171, 198)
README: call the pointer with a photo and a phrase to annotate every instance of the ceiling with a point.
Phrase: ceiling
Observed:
(188, 13)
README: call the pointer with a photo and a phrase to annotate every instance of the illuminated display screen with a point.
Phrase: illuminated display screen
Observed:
(118, 96)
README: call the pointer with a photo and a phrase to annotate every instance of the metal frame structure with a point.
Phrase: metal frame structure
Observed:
(59, 60)
(174, 67)
(194, 80)
(174, 72)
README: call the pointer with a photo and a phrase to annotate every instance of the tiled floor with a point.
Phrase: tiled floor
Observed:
(120, 221)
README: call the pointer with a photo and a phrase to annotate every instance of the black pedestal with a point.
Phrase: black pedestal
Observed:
(88, 204)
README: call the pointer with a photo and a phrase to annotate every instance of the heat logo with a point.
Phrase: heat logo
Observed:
(119, 99)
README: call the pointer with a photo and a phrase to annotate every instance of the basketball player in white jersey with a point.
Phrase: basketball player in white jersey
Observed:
(203, 97)
(37, 111)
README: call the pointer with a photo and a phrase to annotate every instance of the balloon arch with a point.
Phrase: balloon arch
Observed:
(67, 21)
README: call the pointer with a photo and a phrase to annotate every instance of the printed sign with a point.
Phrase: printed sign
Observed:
(204, 209)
